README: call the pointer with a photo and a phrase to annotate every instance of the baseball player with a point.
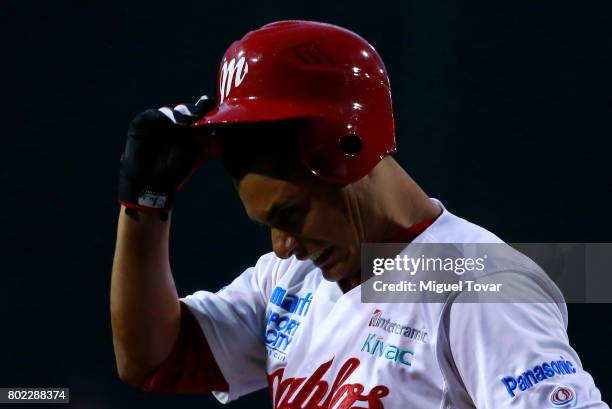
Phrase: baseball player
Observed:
(303, 124)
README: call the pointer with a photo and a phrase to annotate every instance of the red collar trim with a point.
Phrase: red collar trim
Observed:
(406, 236)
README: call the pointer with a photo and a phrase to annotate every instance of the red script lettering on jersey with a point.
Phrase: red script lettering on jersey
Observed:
(291, 393)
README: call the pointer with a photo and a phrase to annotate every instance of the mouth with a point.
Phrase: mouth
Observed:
(322, 257)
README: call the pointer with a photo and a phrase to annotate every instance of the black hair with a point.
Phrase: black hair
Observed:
(270, 148)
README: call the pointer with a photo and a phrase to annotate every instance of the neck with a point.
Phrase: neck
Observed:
(397, 202)
(389, 202)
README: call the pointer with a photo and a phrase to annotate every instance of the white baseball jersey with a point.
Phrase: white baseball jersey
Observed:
(281, 324)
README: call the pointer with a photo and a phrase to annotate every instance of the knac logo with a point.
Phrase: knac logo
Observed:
(376, 346)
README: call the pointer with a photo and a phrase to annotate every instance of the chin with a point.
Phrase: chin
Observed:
(339, 271)
(330, 275)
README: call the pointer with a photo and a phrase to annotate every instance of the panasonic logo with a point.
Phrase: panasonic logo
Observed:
(531, 377)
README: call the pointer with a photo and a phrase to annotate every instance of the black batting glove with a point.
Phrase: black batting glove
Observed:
(161, 153)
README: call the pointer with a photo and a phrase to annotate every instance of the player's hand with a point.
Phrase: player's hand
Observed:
(161, 152)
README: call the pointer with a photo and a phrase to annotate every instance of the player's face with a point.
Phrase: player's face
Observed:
(309, 219)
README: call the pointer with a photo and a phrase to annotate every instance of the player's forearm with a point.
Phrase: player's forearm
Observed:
(145, 310)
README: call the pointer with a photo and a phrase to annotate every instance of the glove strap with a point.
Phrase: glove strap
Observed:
(140, 198)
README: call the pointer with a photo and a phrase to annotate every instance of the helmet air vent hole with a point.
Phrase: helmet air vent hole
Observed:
(351, 144)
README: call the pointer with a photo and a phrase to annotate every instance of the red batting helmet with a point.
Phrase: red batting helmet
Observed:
(320, 72)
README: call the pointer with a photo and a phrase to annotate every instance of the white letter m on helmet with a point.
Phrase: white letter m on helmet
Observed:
(232, 71)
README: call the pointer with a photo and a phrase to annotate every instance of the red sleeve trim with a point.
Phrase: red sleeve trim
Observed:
(191, 366)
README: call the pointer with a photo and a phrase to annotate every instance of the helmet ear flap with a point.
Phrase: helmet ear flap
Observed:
(343, 152)
(332, 153)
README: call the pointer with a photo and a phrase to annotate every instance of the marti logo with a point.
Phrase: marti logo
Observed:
(375, 346)
(232, 72)
(290, 302)
(281, 326)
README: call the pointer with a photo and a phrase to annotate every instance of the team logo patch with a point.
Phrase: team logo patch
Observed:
(562, 396)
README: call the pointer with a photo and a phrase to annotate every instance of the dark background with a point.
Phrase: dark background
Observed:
(503, 112)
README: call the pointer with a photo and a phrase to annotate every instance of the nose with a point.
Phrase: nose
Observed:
(283, 243)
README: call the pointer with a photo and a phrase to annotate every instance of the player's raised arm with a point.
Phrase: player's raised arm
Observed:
(145, 310)
(160, 154)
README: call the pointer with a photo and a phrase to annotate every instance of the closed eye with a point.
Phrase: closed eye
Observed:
(278, 216)
(288, 216)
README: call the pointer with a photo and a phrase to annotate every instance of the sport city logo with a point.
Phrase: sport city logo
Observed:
(377, 320)
(531, 377)
(282, 324)
(562, 396)
(375, 346)
(232, 71)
